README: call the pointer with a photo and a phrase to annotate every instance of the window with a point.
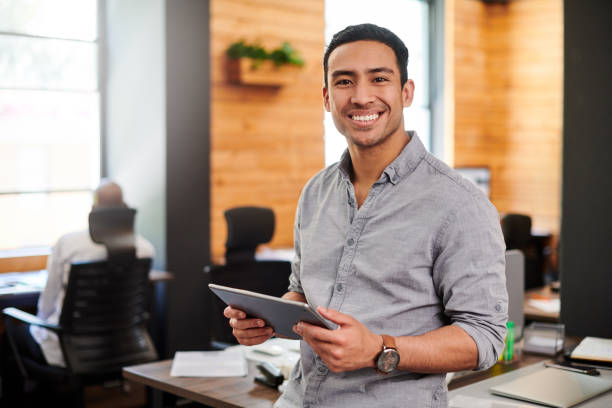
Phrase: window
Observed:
(409, 20)
(49, 118)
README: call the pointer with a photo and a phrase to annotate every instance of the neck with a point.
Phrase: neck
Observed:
(370, 162)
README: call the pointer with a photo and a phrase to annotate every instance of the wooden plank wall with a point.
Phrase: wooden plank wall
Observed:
(266, 142)
(508, 87)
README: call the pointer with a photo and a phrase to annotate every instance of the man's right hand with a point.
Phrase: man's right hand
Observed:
(248, 332)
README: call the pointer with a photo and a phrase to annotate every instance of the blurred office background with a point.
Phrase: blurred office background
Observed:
(138, 91)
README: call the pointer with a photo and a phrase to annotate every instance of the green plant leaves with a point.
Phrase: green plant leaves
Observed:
(286, 54)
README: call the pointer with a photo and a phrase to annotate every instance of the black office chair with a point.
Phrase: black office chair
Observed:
(517, 235)
(247, 228)
(102, 326)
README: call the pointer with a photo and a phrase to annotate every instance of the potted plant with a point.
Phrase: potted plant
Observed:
(253, 64)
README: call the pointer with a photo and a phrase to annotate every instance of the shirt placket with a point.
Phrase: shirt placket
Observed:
(358, 219)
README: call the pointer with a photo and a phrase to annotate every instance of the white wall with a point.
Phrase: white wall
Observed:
(135, 133)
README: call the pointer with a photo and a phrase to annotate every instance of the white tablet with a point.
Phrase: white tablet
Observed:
(280, 314)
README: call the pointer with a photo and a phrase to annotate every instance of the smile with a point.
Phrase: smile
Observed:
(366, 118)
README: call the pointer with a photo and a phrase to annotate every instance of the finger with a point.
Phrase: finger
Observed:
(315, 333)
(335, 316)
(246, 323)
(230, 312)
(250, 333)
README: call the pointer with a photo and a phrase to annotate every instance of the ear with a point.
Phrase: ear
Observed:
(326, 99)
(408, 93)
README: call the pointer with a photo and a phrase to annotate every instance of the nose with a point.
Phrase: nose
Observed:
(362, 94)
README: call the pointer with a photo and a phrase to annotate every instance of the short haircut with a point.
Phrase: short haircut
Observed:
(370, 32)
(108, 194)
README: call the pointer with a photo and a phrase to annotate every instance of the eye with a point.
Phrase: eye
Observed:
(342, 82)
(380, 79)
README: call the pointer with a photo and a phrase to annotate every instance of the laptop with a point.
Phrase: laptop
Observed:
(554, 387)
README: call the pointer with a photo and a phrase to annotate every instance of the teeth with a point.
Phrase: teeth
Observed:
(366, 117)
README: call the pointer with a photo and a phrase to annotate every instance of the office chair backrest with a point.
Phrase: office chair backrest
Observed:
(517, 230)
(113, 227)
(106, 305)
(104, 316)
(247, 227)
(515, 284)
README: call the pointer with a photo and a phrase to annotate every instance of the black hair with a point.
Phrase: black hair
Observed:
(370, 32)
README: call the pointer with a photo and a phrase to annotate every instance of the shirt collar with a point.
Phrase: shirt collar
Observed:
(400, 167)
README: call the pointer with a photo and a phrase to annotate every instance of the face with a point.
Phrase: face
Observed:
(365, 96)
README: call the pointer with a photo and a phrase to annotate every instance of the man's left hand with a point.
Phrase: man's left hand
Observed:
(350, 347)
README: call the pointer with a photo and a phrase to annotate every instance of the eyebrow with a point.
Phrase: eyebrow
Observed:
(347, 72)
(380, 69)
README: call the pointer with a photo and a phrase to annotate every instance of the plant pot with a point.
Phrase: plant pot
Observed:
(244, 71)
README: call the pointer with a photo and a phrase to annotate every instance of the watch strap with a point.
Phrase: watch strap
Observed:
(388, 342)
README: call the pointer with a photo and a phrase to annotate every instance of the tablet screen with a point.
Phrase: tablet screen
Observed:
(280, 314)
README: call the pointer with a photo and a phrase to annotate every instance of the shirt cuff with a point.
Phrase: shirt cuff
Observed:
(488, 353)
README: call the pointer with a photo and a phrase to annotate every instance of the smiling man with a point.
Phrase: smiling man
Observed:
(392, 245)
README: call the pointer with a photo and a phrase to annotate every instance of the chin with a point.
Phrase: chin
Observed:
(365, 143)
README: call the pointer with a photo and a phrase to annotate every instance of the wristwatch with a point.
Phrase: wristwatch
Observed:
(388, 359)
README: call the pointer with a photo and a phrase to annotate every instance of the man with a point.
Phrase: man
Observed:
(392, 245)
(70, 248)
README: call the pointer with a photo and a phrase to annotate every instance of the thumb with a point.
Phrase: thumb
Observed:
(335, 316)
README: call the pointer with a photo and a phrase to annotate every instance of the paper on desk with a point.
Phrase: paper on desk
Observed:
(226, 363)
(465, 401)
(594, 348)
(546, 305)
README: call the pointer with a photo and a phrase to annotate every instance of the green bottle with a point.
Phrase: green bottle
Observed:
(509, 349)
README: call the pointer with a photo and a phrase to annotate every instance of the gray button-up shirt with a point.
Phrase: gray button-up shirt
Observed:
(424, 250)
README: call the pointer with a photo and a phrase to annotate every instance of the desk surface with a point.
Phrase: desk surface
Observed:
(230, 392)
(244, 392)
(480, 391)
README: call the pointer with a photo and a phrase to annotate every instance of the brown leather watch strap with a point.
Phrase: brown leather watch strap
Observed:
(388, 342)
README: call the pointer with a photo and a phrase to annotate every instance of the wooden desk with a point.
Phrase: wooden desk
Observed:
(235, 392)
(476, 389)
(230, 392)
(533, 313)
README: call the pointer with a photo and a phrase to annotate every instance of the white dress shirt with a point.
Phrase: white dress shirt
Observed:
(70, 248)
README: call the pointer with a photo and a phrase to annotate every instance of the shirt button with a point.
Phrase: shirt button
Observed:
(339, 287)
(350, 242)
(498, 308)
(322, 369)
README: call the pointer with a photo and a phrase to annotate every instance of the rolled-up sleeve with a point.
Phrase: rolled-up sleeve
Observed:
(469, 274)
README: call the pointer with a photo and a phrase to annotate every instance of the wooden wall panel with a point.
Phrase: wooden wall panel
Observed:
(508, 95)
(266, 142)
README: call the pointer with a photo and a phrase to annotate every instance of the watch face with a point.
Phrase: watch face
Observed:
(388, 360)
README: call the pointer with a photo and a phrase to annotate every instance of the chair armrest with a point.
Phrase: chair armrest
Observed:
(29, 318)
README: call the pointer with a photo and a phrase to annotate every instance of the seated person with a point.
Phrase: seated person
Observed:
(70, 248)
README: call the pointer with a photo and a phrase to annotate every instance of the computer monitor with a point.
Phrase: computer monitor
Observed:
(515, 284)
